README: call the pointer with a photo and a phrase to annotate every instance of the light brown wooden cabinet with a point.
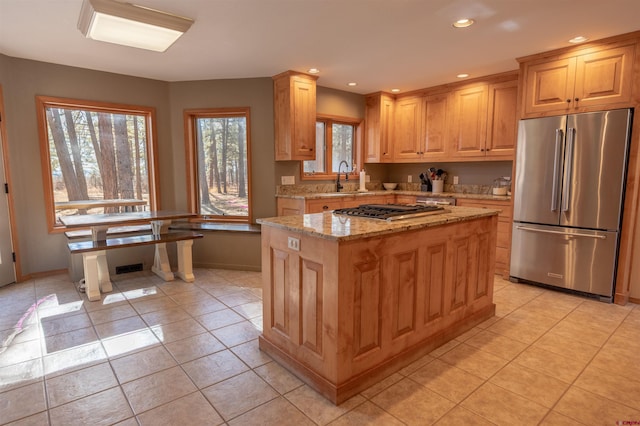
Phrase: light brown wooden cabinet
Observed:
(407, 143)
(502, 121)
(503, 240)
(434, 129)
(295, 116)
(343, 314)
(455, 122)
(593, 79)
(379, 128)
(484, 122)
(468, 119)
(420, 130)
(294, 206)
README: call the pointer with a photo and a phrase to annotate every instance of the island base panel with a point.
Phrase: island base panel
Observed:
(339, 393)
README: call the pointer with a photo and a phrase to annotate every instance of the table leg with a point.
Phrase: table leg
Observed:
(161, 266)
(185, 262)
(96, 274)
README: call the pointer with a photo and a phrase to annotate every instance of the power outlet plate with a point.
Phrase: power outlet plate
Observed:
(288, 180)
(293, 243)
(409, 178)
(455, 180)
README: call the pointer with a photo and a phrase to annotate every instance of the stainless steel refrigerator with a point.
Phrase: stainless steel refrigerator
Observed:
(568, 197)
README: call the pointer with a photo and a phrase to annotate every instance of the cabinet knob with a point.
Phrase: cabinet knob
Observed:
(325, 207)
(568, 101)
(488, 149)
(577, 99)
(481, 149)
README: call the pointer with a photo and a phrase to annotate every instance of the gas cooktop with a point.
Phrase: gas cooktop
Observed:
(390, 211)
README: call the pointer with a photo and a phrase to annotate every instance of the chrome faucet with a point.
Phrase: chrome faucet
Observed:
(346, 175)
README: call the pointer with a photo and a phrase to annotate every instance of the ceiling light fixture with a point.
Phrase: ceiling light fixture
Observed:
(463, 23)
(314, 71)
(130, 25)
(353, 83)
(395, 90)
(579, 39)
(463, 75)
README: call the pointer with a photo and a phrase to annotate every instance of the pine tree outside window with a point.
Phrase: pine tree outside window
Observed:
(218, 168)
(97, 157)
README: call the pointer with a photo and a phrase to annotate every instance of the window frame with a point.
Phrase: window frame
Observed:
(151, 146)
(329, 120)
(191, 156)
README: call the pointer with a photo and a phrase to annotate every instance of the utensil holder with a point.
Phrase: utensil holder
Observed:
(438, 186)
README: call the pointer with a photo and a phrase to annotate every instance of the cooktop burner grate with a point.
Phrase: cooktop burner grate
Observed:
(390, 211)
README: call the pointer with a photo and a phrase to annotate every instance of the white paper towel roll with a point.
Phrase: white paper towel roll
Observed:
(362, 181)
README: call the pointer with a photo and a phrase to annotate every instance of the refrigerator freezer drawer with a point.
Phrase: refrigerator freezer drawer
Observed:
(576, 259)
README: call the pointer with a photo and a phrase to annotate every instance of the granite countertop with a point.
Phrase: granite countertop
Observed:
(320, 195)
(343, 228)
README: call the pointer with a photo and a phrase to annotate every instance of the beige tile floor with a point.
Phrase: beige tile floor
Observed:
(156, 353)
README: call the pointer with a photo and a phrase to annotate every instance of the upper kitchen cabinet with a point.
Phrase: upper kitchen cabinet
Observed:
(407, 144)
(379, 116)
(468, 118)
(434, 130)
(484, 119)
(502, 120)
(295, 116)
(420, 131)
(588, 79)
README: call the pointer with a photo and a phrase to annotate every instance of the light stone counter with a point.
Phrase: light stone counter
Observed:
(335, 227)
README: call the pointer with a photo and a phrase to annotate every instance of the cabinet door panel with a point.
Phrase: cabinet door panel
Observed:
(435, 126)
(304, 133)
(604, 77)
(469, 121)
(549, 85)
(502, 121)
(407, 129)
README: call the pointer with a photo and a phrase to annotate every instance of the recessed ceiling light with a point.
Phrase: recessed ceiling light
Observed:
(314, 70)
(352, 84)
(579, 39)
(395, 90)
(463, 75)
(463, 23)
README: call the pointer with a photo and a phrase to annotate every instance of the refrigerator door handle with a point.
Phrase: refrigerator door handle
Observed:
(572, 234)
(556, 170)
(566, 184)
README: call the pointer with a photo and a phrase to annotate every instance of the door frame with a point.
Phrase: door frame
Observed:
(5, 159)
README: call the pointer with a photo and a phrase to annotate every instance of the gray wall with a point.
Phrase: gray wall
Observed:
(23, 79)
(257, 94)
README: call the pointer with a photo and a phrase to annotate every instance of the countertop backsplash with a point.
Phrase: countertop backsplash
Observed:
(353, 186)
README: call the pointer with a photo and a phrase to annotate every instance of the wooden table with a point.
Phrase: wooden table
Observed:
(94, 259)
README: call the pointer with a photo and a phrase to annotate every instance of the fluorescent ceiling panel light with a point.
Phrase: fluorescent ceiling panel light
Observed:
(130, 25)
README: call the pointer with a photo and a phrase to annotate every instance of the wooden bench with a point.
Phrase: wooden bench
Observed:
(94, 259)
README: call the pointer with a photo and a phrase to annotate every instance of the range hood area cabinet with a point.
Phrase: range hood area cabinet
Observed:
(295, 116)
(576, 81)
(457, 122)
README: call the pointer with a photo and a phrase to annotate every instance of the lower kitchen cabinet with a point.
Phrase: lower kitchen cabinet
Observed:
(503, 242)
(293, 206)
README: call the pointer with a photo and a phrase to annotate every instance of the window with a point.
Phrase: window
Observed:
(337, 140)
(96, 157)
(218, 169)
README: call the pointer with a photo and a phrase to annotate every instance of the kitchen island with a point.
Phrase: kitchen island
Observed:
(348, 301)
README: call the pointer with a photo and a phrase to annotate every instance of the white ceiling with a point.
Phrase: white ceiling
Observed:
(380, 44)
